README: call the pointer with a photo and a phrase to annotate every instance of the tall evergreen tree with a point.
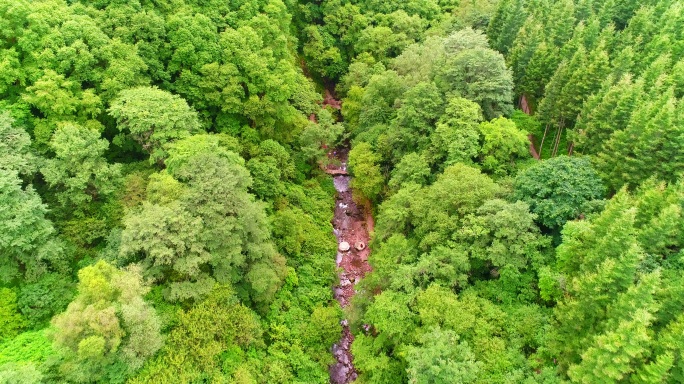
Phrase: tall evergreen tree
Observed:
(651, 145)
(606, 112)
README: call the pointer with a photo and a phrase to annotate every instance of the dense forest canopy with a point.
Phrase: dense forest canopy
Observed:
(165, 215)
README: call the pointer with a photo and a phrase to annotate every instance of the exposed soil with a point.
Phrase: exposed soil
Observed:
(330, 100)
(533, 150)
(350, 225)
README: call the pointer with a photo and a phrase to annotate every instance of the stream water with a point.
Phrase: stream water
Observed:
(351, 226)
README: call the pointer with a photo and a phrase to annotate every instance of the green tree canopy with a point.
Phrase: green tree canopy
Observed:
(412, 168)
(108, 331)
(440, 358)
(210, 229)
(15, 147)
(154, 118)
(363, 164)
(503, 144)
(474, 71)
(11, 321)
(227, 330)
(559, 189)
(27, 238)
(318, 137)
(456, 139)
(503, 234)
(460, 190)
(79, 173)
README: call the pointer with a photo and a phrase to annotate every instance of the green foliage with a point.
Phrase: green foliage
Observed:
(217, 324)
(559, 189)
(153, 118)
(32, 347)
(363, 164)
(505, 24)
(391, 316)
(15, 150)
(412, 169)
(211, 230)
(503, 144)
(378, 100)
(417, 62)
(473, 71)
(63, 65)
(456, 138)
(108, 330)
(572, 83)
(27, 238)
(20, 374)
(648, 146)
(608, 335)
(40, 300)
(503, 234)
(78, 172)
(441, 359)
(460, 190)
(226, 224)
(316, 139)
(604, 113)
(610, 359)
(11, 321)
(418, 111)
(180, 230)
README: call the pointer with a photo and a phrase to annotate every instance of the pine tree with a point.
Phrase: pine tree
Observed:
(606, 112)
(561, 22)
(612, 356)
(598, 261)
(651, 145)
(540, 69)
(571, 85)
(505, 24)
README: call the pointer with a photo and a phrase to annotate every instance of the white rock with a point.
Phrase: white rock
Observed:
(344, 246)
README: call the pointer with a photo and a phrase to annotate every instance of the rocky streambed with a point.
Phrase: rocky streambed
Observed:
(351, 225)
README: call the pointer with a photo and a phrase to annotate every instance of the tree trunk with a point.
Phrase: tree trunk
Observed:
(546, 131)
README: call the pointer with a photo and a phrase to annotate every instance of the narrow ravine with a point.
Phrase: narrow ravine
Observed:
(351, 228)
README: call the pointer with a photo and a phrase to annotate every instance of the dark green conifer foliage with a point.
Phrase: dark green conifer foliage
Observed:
(650, 145)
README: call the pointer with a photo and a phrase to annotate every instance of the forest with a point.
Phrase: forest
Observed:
(166, 207)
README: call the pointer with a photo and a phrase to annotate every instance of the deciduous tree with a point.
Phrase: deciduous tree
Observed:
(27, 238)
(79, 172)
(154, 118)
(559, 189)
(108, 331)
(503, 144)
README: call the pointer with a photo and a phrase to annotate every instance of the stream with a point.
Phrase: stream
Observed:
(351, 225)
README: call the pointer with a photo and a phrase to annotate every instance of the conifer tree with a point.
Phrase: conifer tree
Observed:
(505, 24)
(606, 112)
(651, 145)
